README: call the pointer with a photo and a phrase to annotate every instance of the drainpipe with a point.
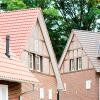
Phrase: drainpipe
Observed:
(57, 94)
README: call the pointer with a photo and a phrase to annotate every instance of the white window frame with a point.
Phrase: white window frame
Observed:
(72, 64)
(30, 61)
(79, 63)
(41, 93)
(88, 84)
(6, 87)
(38, 64)
(50, 94)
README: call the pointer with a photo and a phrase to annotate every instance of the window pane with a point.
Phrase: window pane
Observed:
(72, 65)
(79, 63)
(30, 61)
(37, 63)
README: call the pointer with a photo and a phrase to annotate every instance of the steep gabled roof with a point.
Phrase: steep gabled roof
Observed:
(19, 24)
(89, 41)
(12, 69)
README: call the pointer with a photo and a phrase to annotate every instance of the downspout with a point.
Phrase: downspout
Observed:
(58, 95)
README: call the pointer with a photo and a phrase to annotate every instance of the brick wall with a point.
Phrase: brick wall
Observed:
(46, 82)
(75, 85)
(14, 89)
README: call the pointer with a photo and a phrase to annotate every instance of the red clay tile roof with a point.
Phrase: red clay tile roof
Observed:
(18, 24)
(12, 69)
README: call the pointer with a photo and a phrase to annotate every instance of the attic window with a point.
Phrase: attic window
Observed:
(35, 62)
(98, 52)
(72, 65)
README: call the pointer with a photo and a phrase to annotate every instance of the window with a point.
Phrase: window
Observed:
(41, 93)
(31, 61)
(79, 63)
(20, 97)
(35, 62)
(88, 84)
(72, 65)
(50, 94)
(3, 92)
(64, 86)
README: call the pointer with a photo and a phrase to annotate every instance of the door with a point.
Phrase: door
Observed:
(3, 92)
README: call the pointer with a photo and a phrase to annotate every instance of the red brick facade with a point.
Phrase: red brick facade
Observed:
(14, 89)
(47, 82)
(76, 86)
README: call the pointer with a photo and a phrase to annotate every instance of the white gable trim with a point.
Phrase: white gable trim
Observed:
(65, 50)
(50, 50)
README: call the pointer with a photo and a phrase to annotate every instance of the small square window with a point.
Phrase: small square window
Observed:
(72, 65)
(88, 84)
(64, 87)
(41, 93)
(50, 94)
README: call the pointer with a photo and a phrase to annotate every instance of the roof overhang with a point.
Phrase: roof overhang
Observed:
(17, 78)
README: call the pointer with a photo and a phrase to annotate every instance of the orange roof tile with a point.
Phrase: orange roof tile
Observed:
(12, 69)
(18, 24)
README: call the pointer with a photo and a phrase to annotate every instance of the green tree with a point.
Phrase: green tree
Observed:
(61, 16)
(14, 4)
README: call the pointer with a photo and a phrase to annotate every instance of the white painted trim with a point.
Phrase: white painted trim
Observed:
(51, 51)
(41, 93)
(6, 87)
(65, 50)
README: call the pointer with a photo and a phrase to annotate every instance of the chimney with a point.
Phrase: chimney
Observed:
(7, 45)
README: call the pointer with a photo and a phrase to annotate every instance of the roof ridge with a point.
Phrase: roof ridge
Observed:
(73, 30)
(37, 8)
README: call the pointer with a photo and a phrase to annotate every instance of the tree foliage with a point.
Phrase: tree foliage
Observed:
(61, 16)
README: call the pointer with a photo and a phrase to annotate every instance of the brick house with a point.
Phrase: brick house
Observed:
(13, 74)
(80, 66)
(30, 42)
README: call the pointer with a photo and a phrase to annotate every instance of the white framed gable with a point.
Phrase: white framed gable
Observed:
(45, 49)
(74, 51)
